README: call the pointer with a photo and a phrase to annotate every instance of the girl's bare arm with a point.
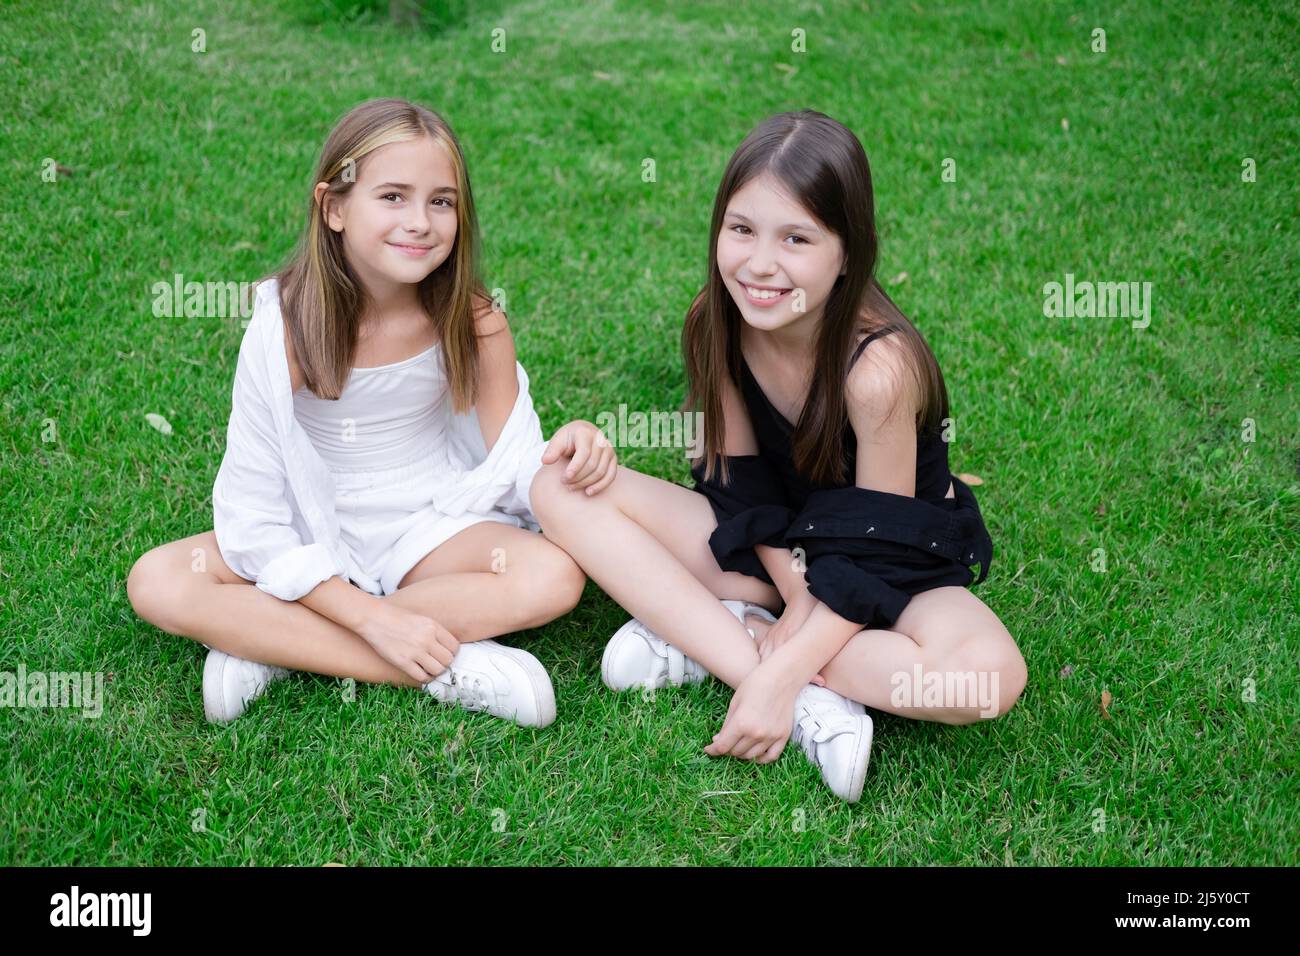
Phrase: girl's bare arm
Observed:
(498, 383)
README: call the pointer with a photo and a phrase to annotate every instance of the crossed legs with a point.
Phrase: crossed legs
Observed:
(185, 588)
(645, 542)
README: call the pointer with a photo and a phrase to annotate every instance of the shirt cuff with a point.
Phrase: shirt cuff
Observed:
(750, 509)
(853, 593)
(765, 524)
(298, 571)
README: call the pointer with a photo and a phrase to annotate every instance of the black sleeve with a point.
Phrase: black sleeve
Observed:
(752, 508)
(867, 552)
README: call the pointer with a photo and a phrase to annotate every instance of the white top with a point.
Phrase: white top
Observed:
(273, 499)
(388, 415)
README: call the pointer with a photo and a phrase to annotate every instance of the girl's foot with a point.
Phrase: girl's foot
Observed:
(835, 733)
(503, 681)
(638, 657)
(230, 683)
(756, 619)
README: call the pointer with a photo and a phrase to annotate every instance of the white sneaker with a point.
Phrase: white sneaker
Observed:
(638, 657)
(504, 681)
(231, 683)
(835, 732)
(743, 609)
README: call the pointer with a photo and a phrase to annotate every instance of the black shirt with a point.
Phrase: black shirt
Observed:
(866, 552)
(774, 433)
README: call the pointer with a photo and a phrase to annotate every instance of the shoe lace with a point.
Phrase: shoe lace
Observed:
(254, 678)
(472, 689)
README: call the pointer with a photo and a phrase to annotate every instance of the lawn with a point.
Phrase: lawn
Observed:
(1146, 537)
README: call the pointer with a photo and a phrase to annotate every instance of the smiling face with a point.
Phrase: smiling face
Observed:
(399, 220)
(776, 260)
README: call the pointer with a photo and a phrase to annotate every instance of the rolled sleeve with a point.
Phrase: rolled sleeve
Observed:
(854, 590)
(752, 508)
(868, 552)
(251, 511)
(296, 572)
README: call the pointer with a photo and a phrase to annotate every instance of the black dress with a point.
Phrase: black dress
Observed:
(865, 552)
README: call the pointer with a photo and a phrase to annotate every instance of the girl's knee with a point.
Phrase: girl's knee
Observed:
(153, 590)
(990, 668)
(546, 494)
(552, 499)
(550, 583)
(549, 480)
(568, 582)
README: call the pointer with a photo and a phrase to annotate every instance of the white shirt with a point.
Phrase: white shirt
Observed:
(273, 499)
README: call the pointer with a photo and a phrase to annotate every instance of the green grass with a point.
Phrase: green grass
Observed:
(1088, 434)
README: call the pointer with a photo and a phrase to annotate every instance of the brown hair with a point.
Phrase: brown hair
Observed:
(321, 298)
(825, 169)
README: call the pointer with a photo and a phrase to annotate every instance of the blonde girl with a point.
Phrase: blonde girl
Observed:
(371, 514)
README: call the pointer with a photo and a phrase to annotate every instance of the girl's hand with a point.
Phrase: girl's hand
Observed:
(792, 618)
(416, 645)
(594, 464)
(759, 719)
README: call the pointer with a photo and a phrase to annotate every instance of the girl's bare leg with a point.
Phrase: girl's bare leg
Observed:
(949, 638)
(492, 579)
(645, 542)
(947, 632)
(185, 588)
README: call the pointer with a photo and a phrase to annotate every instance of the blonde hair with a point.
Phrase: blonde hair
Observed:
(321, 298)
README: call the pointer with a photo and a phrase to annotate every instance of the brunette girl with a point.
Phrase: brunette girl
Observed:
(824, 492)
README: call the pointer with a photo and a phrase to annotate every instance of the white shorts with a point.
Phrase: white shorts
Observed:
(389, 522)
